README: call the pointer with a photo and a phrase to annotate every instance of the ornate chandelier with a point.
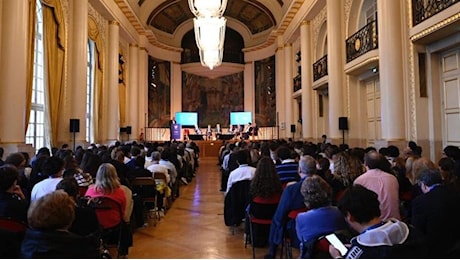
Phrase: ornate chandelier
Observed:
(209, 30)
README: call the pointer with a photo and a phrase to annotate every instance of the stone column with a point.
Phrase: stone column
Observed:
(288, 87)
(143, 88)
(280, 95)
(176, 88)
(391, 69)
(249, 89)
(14, 23)
(335, 64)
(133, 90)
(79, 59)
(113, 98)
(307, 79)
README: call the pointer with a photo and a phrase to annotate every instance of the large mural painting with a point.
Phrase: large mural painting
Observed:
(159, 92)
(265, 92)
(212, 99)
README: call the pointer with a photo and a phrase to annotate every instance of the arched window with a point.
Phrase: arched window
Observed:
(36, 130)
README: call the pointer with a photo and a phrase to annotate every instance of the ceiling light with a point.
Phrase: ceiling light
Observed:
(207, 8)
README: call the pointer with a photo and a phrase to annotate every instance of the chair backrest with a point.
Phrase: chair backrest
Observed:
(293, 213)
(107, 210)
(235, 202)
(261, 210)
(145, 187)
(12, 224)
(143, 181)
(159, 177)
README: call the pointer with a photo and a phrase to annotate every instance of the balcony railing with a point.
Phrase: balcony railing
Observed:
(297, 83)
(320, 68)
(364, 40)
(190, 56)
(424, 9)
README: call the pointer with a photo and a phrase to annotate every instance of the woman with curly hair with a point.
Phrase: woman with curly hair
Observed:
(266, 182)
(265, 192)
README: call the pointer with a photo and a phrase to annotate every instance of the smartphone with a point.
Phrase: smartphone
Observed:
(335, 241)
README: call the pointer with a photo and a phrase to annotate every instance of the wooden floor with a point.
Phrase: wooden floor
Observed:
(194, 226)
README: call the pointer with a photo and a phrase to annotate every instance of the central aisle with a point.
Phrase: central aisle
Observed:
(194, 226)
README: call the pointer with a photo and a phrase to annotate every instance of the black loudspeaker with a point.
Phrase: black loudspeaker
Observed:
(343, 123)
(128, 130)
(292, 128)
(122, 129)
(74, 125)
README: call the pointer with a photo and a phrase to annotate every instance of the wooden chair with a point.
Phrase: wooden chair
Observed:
(161, 179)
(146, 188)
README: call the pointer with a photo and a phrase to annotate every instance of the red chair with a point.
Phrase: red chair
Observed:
(287, 241)
(12, 225)
(260, 213)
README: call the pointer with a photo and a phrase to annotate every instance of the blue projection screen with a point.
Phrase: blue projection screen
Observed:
(187, 118)
(240, 118)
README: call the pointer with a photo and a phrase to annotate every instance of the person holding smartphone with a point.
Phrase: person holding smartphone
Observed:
(377, 238)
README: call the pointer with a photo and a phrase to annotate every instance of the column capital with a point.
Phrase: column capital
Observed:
(305, 22)
(133, 45)
(142, 48)
(114, 23)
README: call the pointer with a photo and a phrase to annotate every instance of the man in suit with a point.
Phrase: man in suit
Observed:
(171, 122)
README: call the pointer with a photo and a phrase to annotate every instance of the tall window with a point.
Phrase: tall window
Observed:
(36, 130)
(90, 75)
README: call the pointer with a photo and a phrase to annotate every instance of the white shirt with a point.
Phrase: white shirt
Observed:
(171, 167)
(243, 172)
(44, 187)
(155, 167)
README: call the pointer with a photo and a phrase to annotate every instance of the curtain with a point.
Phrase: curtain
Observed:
(54, 53)
(94, 35)
(30, 60)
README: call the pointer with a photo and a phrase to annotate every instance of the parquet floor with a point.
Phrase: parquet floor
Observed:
(194, 226)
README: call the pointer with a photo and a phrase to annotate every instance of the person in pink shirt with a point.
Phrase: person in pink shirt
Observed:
(378, 179)
(108, 185)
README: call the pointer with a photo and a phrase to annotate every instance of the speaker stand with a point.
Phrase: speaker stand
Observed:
(343, 136)
(74, 141)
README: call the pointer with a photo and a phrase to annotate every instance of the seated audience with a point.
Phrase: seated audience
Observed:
(291, 199)
(436, 214)
(266, 187)
(377, 239)
(85, 223)
(243, 172)
(13, 203)
(321, 218)
(52, 167)
(50, 217)
(288, 168)
(108, 185)
(379, 179)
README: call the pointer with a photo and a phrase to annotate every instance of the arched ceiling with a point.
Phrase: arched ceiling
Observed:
(169, 15)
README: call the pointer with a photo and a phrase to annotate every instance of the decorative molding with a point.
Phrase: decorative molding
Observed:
(100, 22)
(347, 10)
(316, 24)
(412, 93)
(435, 27)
